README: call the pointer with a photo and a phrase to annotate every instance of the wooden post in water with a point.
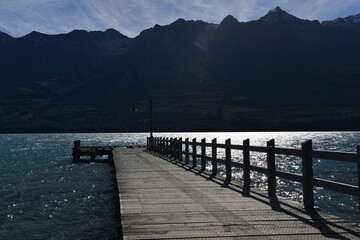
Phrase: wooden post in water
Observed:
(307, 171)
(214, 156)
(186, 150)
(194, 152)
(228, 159)
(270, 145)
(179, 148)
(203, 152)
(246, 156)
(76, 151)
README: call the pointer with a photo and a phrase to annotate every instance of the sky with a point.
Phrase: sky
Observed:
(130, 17)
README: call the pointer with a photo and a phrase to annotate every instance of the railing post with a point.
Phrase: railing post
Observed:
(228, 159)
(179, 148)
(214, 156)
(203, 152)
(151, 142)
(194, 152)
(171, 147)
(358, 172)
(187, 151)
(246, 170)
(167, 146)
(162, 145)
(155, 144)
(307, 169)
(158, 144)
(173, 151)
(271, 167)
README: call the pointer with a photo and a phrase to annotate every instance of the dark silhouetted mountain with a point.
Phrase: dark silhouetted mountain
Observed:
(277, 15)
(5, 38)
(279, 72)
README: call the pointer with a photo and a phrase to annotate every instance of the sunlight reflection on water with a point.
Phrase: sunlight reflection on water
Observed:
(45, 195)
(338, 204)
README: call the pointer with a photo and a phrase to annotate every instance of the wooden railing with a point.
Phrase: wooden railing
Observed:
(173, 147)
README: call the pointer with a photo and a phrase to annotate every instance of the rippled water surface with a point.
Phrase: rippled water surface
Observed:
(45, 196)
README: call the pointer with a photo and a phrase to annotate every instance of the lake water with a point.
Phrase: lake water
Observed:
(45, 196)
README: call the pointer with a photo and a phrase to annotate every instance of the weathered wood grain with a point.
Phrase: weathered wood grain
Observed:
(164, 199)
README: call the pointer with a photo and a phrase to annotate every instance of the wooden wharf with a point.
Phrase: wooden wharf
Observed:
(93, 152)
(164, 195)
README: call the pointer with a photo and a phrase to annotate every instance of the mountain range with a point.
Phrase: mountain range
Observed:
(276, 73)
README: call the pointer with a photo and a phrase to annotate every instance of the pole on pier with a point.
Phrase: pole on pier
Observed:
(246, 156)
(203, 152)
(214, 156)
(151, 118)
(270, 145)
(228, 159)
(194, 152)
(307, 168)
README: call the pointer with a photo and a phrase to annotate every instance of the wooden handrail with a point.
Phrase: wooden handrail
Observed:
(174, 147)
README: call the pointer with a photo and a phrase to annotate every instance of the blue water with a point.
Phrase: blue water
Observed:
(43, 195)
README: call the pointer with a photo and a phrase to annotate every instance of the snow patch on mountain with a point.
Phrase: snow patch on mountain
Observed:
(354, 19)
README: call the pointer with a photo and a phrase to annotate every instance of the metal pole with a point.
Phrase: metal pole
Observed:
(151, 119)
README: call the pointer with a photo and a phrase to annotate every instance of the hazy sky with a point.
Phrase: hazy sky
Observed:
(130, 17)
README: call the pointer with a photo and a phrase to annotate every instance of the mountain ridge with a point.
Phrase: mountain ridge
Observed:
(353, 19)
(287, 74)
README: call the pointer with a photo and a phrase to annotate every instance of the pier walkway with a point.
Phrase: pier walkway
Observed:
(164, 199)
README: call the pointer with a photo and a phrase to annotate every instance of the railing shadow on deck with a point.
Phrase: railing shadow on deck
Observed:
(172, 151)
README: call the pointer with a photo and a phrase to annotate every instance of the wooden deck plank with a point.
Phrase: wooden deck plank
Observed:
(161, 199)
